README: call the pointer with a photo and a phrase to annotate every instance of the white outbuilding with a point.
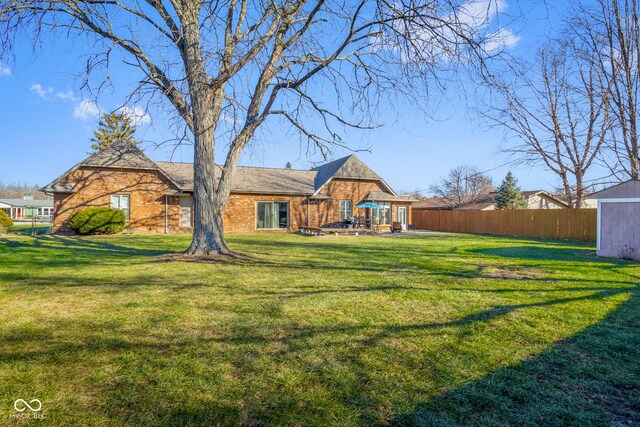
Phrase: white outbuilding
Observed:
(619, 220)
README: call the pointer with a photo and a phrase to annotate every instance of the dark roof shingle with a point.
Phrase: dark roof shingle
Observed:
(346, 167)
(249, 179)
(246, 179)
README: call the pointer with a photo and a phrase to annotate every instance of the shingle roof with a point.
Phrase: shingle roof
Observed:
(250, 179)
(22, 203)
(246, 179)
(383, 196)
(117, 155)
(346, 167)
(120, 155)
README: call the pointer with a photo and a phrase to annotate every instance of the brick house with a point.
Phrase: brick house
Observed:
(157, 197)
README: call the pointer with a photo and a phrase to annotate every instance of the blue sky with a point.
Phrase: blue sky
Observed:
(47, 121)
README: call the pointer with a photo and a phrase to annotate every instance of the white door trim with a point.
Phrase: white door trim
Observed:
(406, 216)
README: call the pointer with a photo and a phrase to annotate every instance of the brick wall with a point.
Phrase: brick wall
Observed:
(95, 186)
(147, 191)
(240, 213)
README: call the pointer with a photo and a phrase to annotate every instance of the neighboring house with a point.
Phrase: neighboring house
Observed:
(536, 199)
(157, 197)
(587, 203)
(618, 220)
(27, 208)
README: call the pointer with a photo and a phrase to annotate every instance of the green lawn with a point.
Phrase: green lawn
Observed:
(28, 228)
(448, 330)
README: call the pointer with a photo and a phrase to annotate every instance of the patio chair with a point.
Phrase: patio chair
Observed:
(396, 227)
(411, 227)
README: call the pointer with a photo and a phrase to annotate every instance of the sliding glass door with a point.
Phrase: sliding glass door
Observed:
(272, 215)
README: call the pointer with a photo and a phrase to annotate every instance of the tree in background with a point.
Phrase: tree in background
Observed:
(510, 195)
(288, 165)
(610, 32)
(113, 127)
(462, 185)
(556, 113)
(18, 191)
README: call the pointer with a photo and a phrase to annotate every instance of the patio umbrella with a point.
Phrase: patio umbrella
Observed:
(368, 205)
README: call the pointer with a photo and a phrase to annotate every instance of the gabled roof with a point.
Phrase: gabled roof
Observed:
(246, 179)
(547, 195)
(117, 155)
(627, 189)
(120, 155)
(350, 167)
(346, 167)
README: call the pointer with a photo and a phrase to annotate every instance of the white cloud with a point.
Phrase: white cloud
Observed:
(41, 91)
(137, 114)
(5, 71)
(86, 110)
(477, 14)
(48, 92)
(500, 40)
(472, 20)
(66, 96)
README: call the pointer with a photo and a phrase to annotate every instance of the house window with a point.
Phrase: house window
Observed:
(381, 215)
(346, 210)
(272, 215)
(119, 201)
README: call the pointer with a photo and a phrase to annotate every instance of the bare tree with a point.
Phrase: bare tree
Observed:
(556, 110)
(610, 29)
(18, 191)
(227, 66)
(463, 185)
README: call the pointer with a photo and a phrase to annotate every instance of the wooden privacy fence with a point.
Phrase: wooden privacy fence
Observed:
(563, 224)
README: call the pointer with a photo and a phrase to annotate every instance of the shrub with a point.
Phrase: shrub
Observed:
(5, 220)
(97, 220)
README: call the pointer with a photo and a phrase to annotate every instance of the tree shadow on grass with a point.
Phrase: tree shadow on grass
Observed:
(542, 253)
(272, 368)
(68, 249)
(591, 378)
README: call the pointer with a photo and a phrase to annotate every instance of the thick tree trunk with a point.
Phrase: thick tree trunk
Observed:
(208, 232)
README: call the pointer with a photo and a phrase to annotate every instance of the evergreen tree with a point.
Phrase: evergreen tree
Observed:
(509, 194)
(288, 165)
(113, 127)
